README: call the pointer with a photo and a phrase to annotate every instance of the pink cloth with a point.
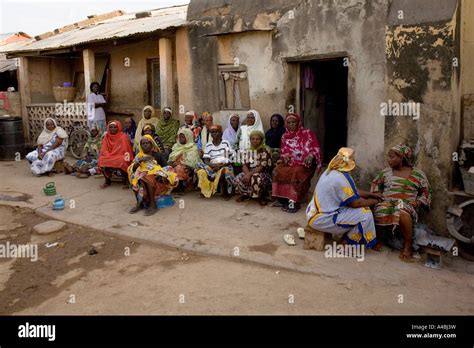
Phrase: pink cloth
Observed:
(300, 144)
(6, 101)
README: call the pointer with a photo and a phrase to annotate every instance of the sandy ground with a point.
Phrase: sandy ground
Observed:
(131, 278)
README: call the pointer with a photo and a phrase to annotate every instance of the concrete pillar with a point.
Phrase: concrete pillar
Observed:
(89, 69)
(184, 72)
(25, 93)
(166, 72)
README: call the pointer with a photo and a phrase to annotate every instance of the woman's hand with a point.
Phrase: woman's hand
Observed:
(308, 160)
(145, 158)
(283, 160)
(416, 204)
(377, 195)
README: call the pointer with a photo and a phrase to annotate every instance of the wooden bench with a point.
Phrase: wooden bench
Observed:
(315, 239)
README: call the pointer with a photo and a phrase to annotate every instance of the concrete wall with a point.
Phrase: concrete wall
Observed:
(302, 30)
(467, 69)
(420, 68)
(44, 73)
(129, 91)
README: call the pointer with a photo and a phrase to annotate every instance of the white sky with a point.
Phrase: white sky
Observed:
(38, 16)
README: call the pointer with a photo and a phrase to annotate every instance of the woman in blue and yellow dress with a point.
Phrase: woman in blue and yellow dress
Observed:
(339, 208)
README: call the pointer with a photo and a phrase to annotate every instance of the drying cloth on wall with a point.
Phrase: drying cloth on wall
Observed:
(6, 101)
(308, 77)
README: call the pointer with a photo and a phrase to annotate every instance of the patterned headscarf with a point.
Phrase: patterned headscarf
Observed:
(262, 143)
(189, 151)
(342, 161)
(405, 152)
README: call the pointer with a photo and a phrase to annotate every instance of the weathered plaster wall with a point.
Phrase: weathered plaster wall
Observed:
(467, 68)
(254, 49)
(44, 74)
(129, 91)
(303, 30)
(420, 69)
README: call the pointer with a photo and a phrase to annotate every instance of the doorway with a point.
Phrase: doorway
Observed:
(324, 103)
(153, 81)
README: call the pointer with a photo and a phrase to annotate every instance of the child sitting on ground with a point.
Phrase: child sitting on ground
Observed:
(87, 166)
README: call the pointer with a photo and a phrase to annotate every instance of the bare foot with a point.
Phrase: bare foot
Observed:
(378, 246)
(104, 185)
(262, 202)
(50, 174)
(407, 256)
(241, 199)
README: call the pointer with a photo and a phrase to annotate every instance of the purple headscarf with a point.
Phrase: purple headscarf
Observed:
(230, 134)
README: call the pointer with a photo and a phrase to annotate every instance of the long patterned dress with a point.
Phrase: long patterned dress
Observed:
(259, 182)
(400, 194)
(45, 165)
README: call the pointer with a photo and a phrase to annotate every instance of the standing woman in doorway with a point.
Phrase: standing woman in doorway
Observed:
(95, 111)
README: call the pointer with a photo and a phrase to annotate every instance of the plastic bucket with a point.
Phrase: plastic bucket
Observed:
(164, 201)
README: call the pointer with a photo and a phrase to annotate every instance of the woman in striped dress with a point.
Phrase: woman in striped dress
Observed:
(405, 189)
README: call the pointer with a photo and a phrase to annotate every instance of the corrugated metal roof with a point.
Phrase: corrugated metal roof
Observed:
(117, 27)
(7, 64)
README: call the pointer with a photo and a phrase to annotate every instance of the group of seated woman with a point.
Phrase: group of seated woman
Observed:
(158, 156)
(204, 156)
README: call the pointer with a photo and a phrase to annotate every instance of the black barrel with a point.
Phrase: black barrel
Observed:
(12, 140)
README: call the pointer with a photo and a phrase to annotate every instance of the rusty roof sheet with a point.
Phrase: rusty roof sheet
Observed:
(117, 27)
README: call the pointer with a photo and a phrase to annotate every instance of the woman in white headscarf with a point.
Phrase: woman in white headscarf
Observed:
(52, 144)
(233, 126)
(254, 123)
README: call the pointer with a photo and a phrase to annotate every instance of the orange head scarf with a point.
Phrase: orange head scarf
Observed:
(116, 151)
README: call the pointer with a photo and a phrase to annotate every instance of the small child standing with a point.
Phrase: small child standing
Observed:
(130, 129)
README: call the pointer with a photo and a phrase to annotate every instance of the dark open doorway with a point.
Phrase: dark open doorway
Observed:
(324, 103)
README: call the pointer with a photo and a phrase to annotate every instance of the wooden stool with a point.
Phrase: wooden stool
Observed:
(314, 239)
(58, 166)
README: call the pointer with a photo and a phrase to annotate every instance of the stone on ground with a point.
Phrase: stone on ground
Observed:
(49, 226)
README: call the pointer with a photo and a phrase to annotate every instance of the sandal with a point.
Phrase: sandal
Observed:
(135, 209)
(301, 232)
(293, 210)
(289, 239)
(150, 211)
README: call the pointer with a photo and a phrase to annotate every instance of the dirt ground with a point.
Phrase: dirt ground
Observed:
(154, 280)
